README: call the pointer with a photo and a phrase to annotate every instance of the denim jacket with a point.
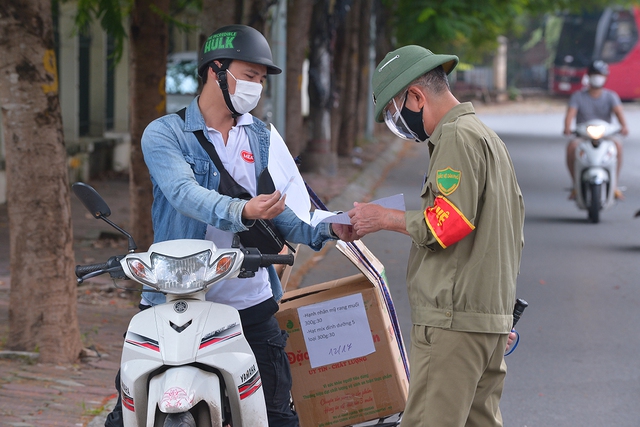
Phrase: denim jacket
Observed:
(185, 182)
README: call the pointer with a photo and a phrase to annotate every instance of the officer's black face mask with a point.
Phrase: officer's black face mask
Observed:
(403, 122)
(414, 122)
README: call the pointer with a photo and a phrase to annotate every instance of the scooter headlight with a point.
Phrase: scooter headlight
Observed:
(595, 131)
(181, 275)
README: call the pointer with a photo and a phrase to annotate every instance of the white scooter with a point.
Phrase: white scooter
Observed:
(594, 172)
(185, 362)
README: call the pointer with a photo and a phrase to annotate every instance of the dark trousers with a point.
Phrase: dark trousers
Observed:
(267, 341)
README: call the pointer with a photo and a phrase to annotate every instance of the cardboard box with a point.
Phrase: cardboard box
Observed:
(349, 391)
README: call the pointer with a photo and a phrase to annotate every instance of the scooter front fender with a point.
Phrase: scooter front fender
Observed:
(181, 388)
(595, 175)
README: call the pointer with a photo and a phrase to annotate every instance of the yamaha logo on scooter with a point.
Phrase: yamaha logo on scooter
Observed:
(180, 307)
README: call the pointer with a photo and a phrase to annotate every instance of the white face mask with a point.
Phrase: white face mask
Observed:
(246, 96)
(597, 80)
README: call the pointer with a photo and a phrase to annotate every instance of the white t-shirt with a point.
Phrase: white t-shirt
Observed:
(237, 159)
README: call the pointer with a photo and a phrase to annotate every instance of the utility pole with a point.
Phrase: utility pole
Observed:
(279, 82)
(500, 70)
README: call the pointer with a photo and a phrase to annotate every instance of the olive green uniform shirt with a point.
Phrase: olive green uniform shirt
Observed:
(469, 285)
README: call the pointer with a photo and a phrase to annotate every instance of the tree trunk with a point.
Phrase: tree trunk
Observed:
(364, 77)
(344, 119)
(319, 157)
(298, 22)
(149, 46)
(218, 13)
(42, 307)
(383, 12)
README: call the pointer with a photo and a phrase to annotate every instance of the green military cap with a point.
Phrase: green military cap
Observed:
(399, 68)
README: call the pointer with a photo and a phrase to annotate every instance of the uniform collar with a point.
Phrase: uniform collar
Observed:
(461, 109)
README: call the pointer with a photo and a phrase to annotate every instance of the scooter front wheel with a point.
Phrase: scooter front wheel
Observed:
(182, 419)
(594, 203)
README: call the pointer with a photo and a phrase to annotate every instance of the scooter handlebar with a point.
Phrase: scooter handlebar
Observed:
(112, 266)
(268, 259)
(253, 260)
(83, 270)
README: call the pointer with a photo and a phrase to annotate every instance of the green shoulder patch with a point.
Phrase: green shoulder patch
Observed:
(448, 180)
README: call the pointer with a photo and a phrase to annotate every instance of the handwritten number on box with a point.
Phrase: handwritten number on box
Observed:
(336, 330)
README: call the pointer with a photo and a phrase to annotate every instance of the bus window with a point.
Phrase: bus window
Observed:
(577, 40)
(622, 36)
(610, 35)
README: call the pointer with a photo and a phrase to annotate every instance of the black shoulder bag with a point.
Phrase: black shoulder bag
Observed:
(262, 234)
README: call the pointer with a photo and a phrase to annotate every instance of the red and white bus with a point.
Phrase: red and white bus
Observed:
(610, 35)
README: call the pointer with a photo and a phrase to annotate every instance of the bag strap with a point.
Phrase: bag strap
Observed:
(228, 185)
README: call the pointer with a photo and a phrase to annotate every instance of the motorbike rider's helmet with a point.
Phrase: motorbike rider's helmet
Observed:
(237, 42)
(234, 42)
(598, 67)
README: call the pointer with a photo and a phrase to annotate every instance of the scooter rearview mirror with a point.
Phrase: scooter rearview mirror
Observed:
(91, 200)
(99, 208)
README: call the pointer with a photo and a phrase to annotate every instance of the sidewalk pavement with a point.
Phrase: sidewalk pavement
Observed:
(42, 395)
(39, 395)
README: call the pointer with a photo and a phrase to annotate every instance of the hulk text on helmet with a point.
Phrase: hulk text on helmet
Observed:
(234, 42)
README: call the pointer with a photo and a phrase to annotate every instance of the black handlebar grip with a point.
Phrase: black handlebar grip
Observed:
(83, 270)
(518, 310)
(267, 260)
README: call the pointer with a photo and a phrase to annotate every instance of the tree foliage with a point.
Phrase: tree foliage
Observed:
(112, 16)
(470, 27)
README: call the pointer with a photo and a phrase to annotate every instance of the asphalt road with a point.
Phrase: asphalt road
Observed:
(577, 362)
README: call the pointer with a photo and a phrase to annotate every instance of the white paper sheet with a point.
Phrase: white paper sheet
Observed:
(336, 330)
(287, 178)
(392, 202)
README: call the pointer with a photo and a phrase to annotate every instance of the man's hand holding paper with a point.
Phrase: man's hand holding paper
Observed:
(392, 202)
(384, 214)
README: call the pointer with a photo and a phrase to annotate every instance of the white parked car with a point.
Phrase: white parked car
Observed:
(182, 79)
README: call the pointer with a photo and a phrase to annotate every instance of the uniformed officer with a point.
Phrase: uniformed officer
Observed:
(467, 243)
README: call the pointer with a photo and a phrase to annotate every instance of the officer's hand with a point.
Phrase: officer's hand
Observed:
(264, 206)
(366, 218)
(510, 341)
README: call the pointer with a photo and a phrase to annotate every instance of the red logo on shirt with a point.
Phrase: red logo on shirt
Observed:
(247, 156)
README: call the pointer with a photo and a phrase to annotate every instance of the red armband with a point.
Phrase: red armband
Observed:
(446, 222)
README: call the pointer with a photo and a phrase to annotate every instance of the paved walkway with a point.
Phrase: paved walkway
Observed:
(42, 395)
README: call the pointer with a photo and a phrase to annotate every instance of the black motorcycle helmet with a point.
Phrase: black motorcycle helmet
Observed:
(598, 67)
(237, 42)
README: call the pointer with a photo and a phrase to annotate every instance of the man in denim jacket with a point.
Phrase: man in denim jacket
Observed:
(233, 65)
